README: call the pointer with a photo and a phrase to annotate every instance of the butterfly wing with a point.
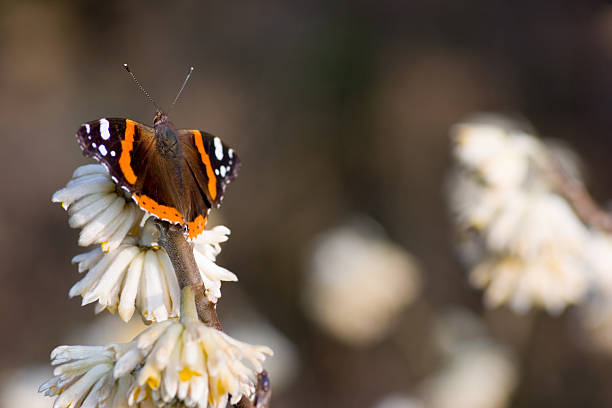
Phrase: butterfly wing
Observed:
(114, 142)
(127, 149)
(213, 163)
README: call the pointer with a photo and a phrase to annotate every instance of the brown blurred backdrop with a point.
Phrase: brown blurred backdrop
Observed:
(336, 108)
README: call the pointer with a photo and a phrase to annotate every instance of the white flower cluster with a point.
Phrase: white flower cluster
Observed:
(84, 377)
(359, 282)
(127, 277)
(597, 312)
(476, 372)
(173, 362)
(93, 204)
(526, 246)
(129, 271)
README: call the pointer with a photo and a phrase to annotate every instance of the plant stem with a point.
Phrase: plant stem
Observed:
(181, 255)
(578, 196)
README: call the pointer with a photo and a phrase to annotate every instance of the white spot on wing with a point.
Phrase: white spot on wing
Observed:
(94, 145)
(217, 172)
(103, 150)
(87, 128)
(218, 148)
(113, 153)
(222, 171)
(104, 129)
(231, 153)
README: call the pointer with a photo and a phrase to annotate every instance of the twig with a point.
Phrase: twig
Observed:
(186, 269)
(245, 403)
(579, 198)
(263, 393)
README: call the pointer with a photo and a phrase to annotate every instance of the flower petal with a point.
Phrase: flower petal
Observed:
(90, 233)
(130, 288)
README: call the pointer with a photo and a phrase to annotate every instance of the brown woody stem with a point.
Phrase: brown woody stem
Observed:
(181, 255)
(579, 198)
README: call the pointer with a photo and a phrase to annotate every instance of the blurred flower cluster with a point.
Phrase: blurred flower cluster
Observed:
(474, 372)
(477, 372)
(358, 282)
(521, 236)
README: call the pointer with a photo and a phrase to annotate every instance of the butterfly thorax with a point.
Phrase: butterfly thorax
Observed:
(166, 139)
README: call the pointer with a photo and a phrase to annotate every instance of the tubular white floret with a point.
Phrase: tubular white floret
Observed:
(94, 205)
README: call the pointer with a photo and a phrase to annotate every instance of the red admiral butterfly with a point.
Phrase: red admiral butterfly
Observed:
(175, 174)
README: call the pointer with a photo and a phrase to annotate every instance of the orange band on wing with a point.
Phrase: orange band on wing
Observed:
(161, 211)
(127, 144)
(195, 227)
(212, 179)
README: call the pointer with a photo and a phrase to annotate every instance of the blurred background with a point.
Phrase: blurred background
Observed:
(340, 112)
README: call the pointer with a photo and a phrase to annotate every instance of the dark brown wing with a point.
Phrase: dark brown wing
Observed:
(114, 142)
(127, 149)
(213, 163)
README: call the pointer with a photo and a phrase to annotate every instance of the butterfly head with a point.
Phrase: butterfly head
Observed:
(160, 118)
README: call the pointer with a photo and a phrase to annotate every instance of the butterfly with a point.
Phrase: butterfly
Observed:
(177, 175)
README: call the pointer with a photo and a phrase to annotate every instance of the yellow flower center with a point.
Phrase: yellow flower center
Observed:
(221, 388)
(186, 373)
(153, 382)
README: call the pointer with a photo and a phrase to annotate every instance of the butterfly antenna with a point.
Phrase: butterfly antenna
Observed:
(183, 86)
(127, 68)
